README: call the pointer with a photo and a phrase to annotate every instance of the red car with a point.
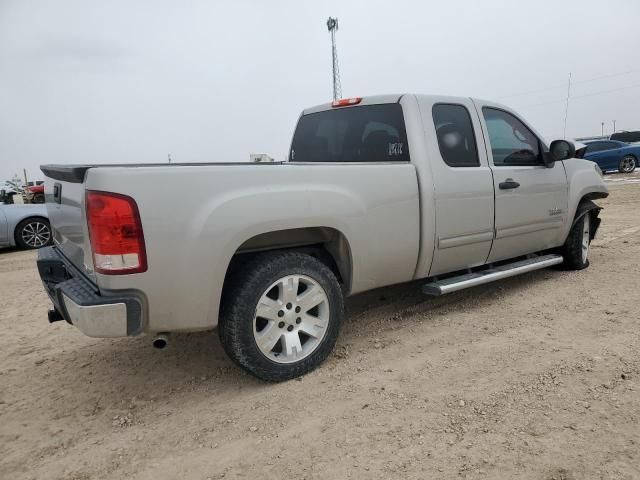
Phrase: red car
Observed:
(37, 193)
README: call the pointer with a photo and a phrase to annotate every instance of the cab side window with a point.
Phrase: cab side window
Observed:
(456, 139)
(512, 143)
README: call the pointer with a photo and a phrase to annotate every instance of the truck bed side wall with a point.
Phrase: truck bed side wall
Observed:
(195, 217)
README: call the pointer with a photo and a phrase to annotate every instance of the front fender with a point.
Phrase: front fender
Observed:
(585, 184)
(585, 207)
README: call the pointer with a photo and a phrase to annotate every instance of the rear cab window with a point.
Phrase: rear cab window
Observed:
(364, 133)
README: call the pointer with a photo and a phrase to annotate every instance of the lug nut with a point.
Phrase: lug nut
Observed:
(281, 324)
(281, 313)
(298, 309)
(298, 320)
(289, 306)
(290, 327)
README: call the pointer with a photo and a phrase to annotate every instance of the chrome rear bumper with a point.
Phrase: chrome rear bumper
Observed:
(81, 303)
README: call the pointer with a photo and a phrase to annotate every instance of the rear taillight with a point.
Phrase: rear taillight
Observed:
(116, 234)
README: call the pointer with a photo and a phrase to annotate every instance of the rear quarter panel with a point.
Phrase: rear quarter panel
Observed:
(195, 217)
(633, 150)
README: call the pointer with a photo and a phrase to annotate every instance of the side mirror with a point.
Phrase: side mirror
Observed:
(560, 150)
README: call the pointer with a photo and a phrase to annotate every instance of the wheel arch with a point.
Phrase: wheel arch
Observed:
(587, 206)
(328, 244)
(585, 184)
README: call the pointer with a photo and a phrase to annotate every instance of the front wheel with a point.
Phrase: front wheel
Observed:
(627, 164)
(576, 248)
(281, 314)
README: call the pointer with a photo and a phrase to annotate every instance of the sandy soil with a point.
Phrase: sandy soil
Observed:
(536, 377)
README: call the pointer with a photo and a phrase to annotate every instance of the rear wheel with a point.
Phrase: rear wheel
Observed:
(281, 314)
(576, 248)
(33, 233)
(627, 164)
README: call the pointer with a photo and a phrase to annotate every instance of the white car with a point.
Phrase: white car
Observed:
(24, 226)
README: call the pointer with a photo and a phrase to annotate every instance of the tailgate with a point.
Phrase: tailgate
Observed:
(65, 197)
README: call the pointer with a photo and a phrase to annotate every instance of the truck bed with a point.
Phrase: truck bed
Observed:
(196, 217)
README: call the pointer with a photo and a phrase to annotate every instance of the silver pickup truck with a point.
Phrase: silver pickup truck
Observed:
(377, 191)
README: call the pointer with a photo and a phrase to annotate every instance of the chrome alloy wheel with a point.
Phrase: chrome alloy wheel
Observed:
(291, 319)
(36, 234)
(586, 236)
(628, 164)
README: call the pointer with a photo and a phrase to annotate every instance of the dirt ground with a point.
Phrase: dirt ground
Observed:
(536, 377)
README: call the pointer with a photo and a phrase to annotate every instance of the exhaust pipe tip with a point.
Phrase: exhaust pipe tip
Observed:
(161, 341)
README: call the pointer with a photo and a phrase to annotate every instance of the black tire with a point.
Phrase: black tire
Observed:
(38, 198)
(628, 164)
(34, 232)
(244, 288)
(572, 251)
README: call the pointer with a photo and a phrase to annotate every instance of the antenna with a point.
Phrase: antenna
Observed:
(566, 109)
(332, 26)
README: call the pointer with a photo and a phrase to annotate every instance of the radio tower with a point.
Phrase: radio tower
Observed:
(332, 25)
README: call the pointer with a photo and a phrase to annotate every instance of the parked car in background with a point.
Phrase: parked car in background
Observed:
(8, 196)
(627, 137)
(36, 193)
(613, 155)
(24, 226)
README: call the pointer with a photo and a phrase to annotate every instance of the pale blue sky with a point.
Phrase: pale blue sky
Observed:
(121, 81)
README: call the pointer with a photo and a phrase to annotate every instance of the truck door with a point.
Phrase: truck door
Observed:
(462, 184)
(530, 199)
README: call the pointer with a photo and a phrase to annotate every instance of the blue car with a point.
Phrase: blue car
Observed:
(613, 155)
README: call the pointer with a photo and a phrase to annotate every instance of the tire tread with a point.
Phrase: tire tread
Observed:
(243, 288)
(572, 249)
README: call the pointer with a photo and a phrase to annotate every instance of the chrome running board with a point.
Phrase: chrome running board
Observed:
(453, 284)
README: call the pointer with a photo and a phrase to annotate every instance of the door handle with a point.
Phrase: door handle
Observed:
(508, 184)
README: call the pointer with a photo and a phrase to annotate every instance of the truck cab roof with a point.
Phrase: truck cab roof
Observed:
(393, 98)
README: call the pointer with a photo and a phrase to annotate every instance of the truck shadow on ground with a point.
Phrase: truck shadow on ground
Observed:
(115, 371)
